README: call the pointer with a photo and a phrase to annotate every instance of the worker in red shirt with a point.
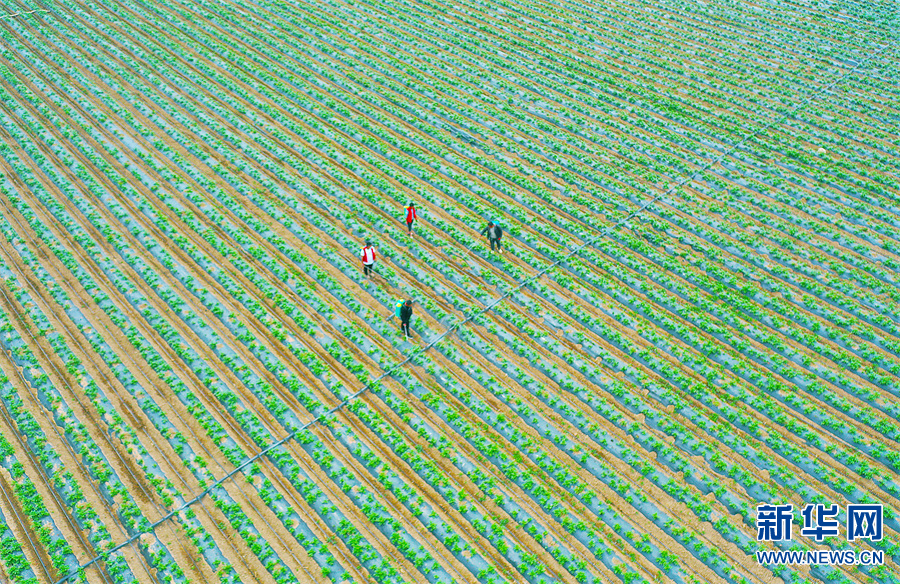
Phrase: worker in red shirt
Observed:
(367, 254)
(411, 216)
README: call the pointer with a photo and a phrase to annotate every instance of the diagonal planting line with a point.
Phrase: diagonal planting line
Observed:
(14, 14)
(419, 350)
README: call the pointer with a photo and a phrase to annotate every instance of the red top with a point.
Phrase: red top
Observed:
(411, 214)
(368, 255)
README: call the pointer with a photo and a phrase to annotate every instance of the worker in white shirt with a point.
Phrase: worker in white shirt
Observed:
(367, 255)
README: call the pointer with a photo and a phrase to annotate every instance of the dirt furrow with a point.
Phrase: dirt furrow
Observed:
(63, 515)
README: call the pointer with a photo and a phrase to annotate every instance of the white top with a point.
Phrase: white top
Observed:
(368, 255)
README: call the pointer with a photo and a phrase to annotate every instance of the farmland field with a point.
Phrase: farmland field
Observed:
(696, 311)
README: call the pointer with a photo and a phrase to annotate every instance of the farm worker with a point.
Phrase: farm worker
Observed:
(411, 216)
(405, 316)
(367, 255)
(494, 233)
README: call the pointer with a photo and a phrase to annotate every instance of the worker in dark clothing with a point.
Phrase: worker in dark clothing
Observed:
(405, 316)
(494, 233)
(411, 216)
